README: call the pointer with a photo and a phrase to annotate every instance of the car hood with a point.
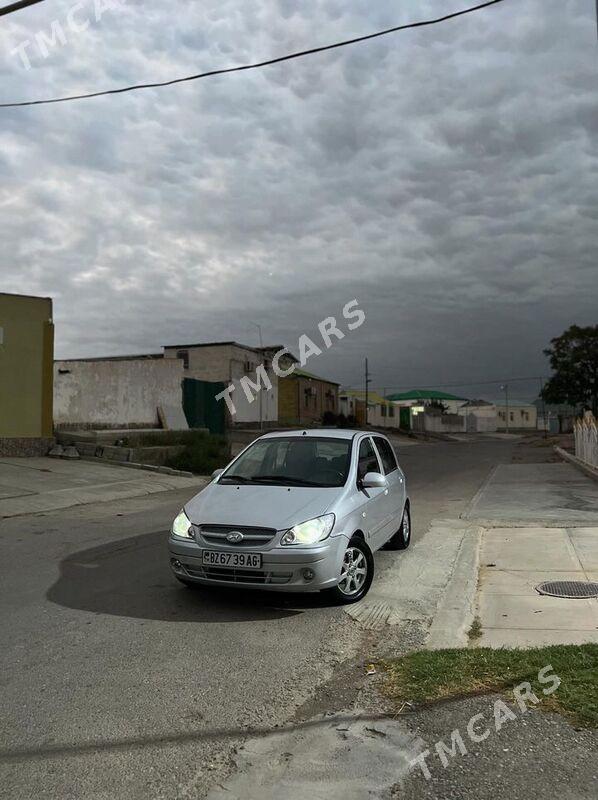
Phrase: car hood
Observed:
(261, 506)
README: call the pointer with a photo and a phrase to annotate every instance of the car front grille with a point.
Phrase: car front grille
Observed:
(252, 536)
(257, 577)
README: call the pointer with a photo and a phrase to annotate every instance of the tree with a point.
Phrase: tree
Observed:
(438, 405)
(574, 361)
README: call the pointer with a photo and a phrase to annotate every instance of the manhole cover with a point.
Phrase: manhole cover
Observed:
(570, 589)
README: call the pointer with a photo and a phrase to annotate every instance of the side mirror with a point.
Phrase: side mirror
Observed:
(217, 473)
(374, 480)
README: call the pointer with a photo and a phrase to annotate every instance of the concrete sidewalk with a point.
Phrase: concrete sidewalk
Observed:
(513, 561)
(34, 485)
(518, 495)
(539, 523)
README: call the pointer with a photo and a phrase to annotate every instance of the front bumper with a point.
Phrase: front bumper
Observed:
(282, 567)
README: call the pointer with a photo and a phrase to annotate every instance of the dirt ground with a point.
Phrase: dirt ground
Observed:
(536, 448)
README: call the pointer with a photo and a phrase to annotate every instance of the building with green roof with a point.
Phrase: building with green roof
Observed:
(424, 394)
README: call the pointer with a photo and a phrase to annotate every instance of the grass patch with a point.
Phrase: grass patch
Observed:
(203, 453)
(163, 437)
(428, 676)
(476, 629)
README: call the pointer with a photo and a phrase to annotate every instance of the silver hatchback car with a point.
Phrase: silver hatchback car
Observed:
(296, 511)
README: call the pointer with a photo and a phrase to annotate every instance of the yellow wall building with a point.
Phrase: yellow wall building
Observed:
(26, 369)
(304, 398)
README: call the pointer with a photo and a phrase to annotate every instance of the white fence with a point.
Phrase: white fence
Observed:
(586, 440)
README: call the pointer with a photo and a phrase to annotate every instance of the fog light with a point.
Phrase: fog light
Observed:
(308, 574)
(176, 565)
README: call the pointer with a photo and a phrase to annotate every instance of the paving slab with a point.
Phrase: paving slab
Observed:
(513, 562)
(523, 611)
(555, 494)
(585, 542)
(527, 548)
(36, 485)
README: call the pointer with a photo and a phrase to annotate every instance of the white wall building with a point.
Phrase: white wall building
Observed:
(521, 416)
(480, 416)
(115, 392)
(381, 413)
(229, 362)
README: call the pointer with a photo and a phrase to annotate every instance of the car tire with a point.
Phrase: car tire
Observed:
(401, 539)
(351, 589)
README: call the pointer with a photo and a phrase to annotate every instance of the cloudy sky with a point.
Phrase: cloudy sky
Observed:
(445, 177)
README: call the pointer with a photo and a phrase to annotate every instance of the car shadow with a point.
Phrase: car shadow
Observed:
(132, 578)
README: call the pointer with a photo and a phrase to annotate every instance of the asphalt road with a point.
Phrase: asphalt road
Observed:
(116, 682)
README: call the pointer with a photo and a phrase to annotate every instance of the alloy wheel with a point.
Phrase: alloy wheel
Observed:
(406, 528)
(353, 572)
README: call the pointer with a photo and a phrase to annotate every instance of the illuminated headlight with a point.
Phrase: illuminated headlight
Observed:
(310, 532)
(181, 526)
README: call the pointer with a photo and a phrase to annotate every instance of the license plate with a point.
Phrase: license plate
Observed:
(214, 558)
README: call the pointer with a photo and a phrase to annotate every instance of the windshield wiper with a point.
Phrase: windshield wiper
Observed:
(283, 479)
(238, 478)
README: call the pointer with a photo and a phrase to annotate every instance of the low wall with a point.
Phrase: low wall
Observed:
(119, 393)
(136, 455)
(476, 423)
(25, 446)
(438, 423)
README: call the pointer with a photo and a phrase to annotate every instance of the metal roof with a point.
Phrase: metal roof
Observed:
(301, 373)
(424, 394)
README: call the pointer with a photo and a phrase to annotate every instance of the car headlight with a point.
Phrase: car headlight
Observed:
(310, 532)
(181, 526)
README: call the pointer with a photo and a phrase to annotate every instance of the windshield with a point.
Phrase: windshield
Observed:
(293, 461)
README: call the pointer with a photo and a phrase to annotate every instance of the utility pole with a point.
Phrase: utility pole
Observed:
(368, 380)
(506, 389)
(542, 390)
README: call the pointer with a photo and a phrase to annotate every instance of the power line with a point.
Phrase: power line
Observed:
(256, 65)
(17, 6)
(470, 383)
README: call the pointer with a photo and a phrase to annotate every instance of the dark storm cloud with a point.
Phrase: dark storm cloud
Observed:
(445, 177)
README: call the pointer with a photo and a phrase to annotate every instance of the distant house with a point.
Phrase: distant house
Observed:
(556, 417)
(426, 397)
(226, 363)
(26, 355)
(480, 416)
(381, 412)
(521, 416)
(305, 398)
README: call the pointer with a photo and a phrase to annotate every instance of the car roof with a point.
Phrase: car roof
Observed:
(321, 433)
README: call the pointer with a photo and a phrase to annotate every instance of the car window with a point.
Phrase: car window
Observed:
(294, 461)
(368, 461)
(387, 454)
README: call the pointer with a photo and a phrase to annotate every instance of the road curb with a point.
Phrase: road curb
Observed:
(149, 467)
(472, 503)
(456, 608)
(590, 471)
